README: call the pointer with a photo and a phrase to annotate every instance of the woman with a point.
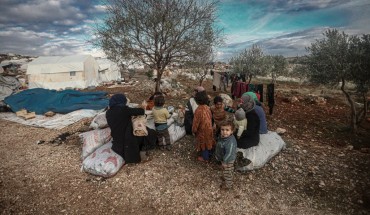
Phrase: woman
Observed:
(131, 148)
(251, 136)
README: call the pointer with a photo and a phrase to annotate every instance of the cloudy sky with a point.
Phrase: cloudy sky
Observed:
(61, 27)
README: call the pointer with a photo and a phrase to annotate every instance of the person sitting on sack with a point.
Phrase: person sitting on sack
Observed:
(133, 149)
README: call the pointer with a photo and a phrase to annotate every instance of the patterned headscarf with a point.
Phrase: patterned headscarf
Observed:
(117, 100)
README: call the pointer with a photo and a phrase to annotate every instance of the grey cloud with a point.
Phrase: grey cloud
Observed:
(288, 45)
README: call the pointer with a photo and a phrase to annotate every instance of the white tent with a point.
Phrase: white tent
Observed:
(60, 72)
(108, 70)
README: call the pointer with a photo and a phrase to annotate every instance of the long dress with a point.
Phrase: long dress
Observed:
(124, 142)
(202, 128)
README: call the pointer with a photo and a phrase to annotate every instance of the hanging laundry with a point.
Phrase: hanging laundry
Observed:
(270, 97)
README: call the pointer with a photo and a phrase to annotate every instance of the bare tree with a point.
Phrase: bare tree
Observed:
(158, 32)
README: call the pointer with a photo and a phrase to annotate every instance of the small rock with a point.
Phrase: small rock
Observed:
(322, 184)
(40, 142)
(280, 130)
(350, 147)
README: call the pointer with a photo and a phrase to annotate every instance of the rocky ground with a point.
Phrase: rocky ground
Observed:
(323, 170)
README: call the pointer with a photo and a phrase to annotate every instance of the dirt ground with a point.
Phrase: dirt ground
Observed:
(323, 170)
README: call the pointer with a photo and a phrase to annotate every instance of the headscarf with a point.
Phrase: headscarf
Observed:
(240, 114)
(253, 94)
(117, 100)
(247, 103)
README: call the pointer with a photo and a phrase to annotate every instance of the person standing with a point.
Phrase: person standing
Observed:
(161, 115)
(226, 153)
(202, 127)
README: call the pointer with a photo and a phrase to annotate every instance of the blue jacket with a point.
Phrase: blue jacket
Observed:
(261, 114)
(226, 149)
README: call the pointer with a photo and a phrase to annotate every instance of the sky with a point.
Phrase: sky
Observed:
(279, 27)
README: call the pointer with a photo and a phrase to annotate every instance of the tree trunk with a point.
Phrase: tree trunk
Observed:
(158, 81)
(353, 108)
(362, 114)
(250, 79)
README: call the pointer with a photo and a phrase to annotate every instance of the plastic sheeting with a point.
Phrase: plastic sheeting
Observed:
(270, 145)
(41, 101)
(57, 121)
(8, 85)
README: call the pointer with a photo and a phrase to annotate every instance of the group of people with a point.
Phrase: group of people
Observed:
(218, 129)
(134, 149)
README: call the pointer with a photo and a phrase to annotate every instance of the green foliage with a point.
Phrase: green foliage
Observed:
(329, 58)
(249, 62)
(275, 65)
(341, 58)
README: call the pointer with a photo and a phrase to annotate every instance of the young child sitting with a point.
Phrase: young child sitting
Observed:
(240, 122)
(202, 127)
(226, 152)
(160, 115)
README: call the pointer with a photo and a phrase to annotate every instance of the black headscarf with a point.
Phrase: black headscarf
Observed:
(117, 100)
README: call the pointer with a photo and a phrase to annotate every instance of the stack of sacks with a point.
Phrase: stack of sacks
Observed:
(98, 158)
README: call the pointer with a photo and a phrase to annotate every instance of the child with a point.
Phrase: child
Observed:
(226, 152)
(150, 101)
(202, 127)
(240, 122)
(160, 115)
(219, 112)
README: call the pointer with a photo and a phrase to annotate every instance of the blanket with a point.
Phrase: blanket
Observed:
(42, 100)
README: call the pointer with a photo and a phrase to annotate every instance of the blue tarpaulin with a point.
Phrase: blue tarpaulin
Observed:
(42, 100)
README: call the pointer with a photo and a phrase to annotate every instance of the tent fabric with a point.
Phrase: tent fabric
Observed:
(42, 100)
(61, 72)
(108, 70)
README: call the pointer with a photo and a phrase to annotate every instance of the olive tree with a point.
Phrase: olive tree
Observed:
(360, 69)
(157, 32)
(250, 62)
(275, 65)
(338, 58)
